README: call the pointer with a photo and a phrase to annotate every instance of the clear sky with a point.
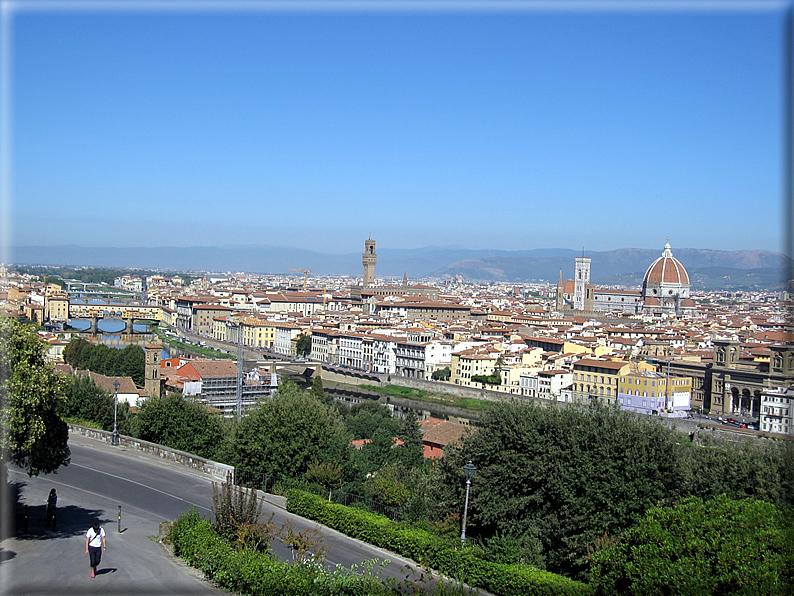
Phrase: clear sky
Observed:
(490, 128)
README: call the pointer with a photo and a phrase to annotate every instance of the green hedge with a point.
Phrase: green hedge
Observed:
(250, 572)
(444, 555)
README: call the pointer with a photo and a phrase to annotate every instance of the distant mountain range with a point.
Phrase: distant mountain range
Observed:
(708, 269)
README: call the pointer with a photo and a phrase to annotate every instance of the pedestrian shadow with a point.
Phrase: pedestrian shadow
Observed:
(104, 570)
(70, 520)
(8, 501)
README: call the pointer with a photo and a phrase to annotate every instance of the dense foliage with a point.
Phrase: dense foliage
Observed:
(553, 479)
(93, 275)
(129, 362)
(303, 345)
(720, 546)
(180, 423)
(250, 571)
(285, 434)
(445, 555)
(32, 434)
(86, 402)
(552, 483)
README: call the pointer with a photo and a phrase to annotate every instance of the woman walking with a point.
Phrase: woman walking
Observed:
(95, 544)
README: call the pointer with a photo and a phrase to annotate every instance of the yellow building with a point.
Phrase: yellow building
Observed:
(475, 361)
(56, 305)
(258, 333)
(653, 384)
(598, 379)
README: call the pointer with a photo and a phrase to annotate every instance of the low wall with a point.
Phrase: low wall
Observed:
(449, 388)
(217, 470)
(722, 433)
(355, 378)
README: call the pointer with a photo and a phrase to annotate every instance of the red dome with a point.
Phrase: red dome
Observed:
(666, 269)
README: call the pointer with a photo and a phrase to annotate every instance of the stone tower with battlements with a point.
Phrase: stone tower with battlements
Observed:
(368, 259)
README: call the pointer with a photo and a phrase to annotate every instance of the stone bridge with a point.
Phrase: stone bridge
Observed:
(125, 313)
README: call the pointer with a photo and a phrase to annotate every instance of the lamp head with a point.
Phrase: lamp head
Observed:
(469, 469)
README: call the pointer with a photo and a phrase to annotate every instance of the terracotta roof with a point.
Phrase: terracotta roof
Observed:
(441, 432)
(214, 369)
(126, 385)
(666, 269)
(601, 363)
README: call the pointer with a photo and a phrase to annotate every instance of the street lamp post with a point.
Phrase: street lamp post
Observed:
(114, 438)
(468, 470)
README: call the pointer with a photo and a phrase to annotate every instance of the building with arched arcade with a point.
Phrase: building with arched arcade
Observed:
(737, 386)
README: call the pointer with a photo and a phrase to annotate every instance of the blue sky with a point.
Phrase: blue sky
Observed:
(512, 129)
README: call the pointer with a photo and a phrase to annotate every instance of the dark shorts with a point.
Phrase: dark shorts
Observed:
(95, 555)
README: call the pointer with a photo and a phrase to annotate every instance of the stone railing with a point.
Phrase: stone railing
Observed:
(214, 469)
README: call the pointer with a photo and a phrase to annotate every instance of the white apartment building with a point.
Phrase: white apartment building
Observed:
(410, 359)
(438, 355)
(777, 411)
(286, 333)
(384, 354)
(325, 345)
(351, 350)
(551, 384)
(128, 282)
(528, 385)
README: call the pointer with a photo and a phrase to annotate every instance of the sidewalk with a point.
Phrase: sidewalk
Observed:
(42, 561)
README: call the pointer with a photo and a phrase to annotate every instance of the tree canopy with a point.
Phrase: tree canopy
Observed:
(129, 362)
(286, 433)
(720, 546)
(563, 475)
(32, 434)
(180, 423)
(303, 345)
(86, 402)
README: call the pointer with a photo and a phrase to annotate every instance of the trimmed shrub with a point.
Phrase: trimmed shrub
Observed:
(251, 572)
(442, 554)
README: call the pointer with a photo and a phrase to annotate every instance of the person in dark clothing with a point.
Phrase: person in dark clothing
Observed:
(52, 500)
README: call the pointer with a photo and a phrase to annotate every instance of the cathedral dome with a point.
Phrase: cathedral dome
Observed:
(666, 270)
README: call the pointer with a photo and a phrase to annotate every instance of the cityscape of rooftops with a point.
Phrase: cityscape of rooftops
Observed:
(498, 290)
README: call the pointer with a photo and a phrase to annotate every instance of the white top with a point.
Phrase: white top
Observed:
(95, 538)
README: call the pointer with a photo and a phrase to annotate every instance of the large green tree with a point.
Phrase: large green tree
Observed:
(720, 546)
(129, 362)
(411, 453)
(180, 423)
(86, 402)
(367, 417)
(562, 475)
(303, 345)
(285, 434)
(32, 435)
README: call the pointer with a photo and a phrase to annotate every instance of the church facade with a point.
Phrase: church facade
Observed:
(665, 291)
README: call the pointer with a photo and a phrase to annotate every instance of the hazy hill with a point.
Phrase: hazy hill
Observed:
(708, 269)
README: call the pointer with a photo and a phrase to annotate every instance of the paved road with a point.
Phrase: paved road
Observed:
(99, 479)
